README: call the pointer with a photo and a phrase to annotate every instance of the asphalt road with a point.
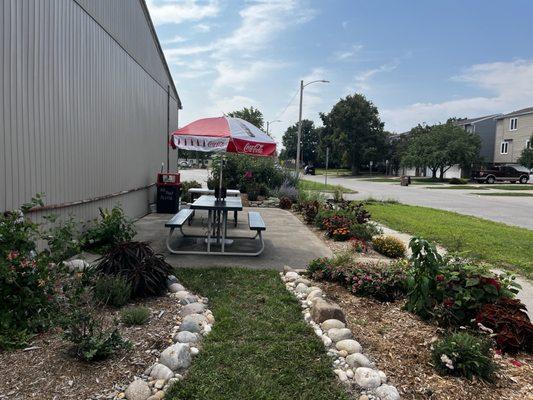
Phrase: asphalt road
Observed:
(509, 210)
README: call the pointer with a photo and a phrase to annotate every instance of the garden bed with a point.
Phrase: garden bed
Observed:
(47, 371)
(400, 343)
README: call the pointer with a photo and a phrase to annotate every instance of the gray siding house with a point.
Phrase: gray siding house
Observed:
(485, 127)
(87, 102)
(513, 134)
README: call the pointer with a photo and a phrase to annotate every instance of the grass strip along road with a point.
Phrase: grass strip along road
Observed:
(260, 347)
(319, 186)
(501, 245)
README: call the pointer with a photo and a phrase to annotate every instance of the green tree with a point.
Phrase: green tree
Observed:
(441, 147)
(309, 145)
(526, 158)
(252, 115)
(354, 129)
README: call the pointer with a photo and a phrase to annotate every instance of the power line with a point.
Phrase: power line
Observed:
(288, 105)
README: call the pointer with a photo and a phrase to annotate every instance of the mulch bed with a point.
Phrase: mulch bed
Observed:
(400, 344)
(46, 370)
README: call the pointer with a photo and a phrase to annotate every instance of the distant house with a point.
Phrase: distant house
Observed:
(485, 128)
(513, 134)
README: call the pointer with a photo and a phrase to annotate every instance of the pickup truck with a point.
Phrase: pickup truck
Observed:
(511, 173)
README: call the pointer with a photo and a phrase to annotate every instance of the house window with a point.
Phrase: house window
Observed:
(504, 148)
(513, 124)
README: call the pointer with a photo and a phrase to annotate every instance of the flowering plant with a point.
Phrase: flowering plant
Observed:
(337, 227)
(359, 245)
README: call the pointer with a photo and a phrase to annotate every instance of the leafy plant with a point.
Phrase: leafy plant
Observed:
(62, 238)
(285, 203)
(365, 231)
(458, 181)
(425, 264)
(135, 316)
(145, 271)
(358, 210)
(27, 286)
(462, 354)
(112, 228)
(338, 194)
(508, 320)
(389, 246)
(185, 186)
(359, 245)
(288, 190)
(337, 227)
(112, 290)
(310, 210)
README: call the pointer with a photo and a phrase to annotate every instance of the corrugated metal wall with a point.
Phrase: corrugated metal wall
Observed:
(80, 118)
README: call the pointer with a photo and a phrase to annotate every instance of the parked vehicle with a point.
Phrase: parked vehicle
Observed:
(309, 170)
(500, 173)
(184, 164)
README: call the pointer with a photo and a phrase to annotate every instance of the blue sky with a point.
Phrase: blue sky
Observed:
(418, 61)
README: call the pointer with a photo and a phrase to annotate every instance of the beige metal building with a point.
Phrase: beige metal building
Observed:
(513, 134)
(87, 101)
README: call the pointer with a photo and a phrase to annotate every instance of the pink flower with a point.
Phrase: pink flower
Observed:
(12, 255)
(516, 363)
(440, 278)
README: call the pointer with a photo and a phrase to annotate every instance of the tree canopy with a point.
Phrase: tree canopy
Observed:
(355, 132)
(252, 115)
(526, 157)
(309, 142)
(441, 146)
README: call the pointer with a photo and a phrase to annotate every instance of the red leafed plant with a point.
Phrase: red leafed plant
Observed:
(510, 323)
(359, 245)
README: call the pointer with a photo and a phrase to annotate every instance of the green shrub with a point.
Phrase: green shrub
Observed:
(389, 246)
(62, 238)
(462, 354)
(135, 316)
(112, 228)
(145, 271)
(185, 186)
(458, 181)
(91, 340)
(112, 290)
(365, 231)
(27, 279)
(289, 191)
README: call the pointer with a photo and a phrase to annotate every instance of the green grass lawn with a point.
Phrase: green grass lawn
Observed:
(319, 186)
(511, 187)
(510, 194)
(260, 347)
(499, 244)
(396, 180)
(459, 187)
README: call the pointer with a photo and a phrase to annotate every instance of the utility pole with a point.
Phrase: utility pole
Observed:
(327, 163)
(299, 130)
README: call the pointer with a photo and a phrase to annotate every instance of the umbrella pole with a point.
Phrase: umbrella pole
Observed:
(220, 176)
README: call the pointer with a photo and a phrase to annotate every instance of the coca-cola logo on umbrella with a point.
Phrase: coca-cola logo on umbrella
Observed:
(253, 148)
(216, 143)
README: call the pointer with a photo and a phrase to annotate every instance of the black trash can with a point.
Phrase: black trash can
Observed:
(168, 193)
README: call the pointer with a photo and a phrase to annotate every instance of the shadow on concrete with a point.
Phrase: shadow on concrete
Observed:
(287, 241)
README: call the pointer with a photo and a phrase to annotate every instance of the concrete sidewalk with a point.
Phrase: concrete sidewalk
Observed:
(287, 241)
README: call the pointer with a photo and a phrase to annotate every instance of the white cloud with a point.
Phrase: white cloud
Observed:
(175, 53)
(509, 86)
(345, 54)
(175, 39)
(362, 80)
(176, 12)
(236, 75)
(202, 28)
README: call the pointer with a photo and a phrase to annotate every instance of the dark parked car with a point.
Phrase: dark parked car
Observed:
(309, 170)
(511, 173)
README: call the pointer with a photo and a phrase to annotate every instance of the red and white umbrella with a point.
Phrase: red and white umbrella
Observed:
(223, 134)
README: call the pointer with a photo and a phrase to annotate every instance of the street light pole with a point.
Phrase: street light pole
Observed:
(271, 122)
(302, 86)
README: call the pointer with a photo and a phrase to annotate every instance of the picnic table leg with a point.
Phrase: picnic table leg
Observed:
(209, 231)
(224, 228)
(235, 217)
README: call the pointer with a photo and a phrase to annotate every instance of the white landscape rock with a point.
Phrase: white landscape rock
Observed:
(138, 390)
(76, 265)
(176, 356)
(332, 323)
(302, 288)
(387, 392)
(291, 276)
(326, 340)
(349, 345)
(160, 371)
(337, 334)
(341, 374)
(186, 337)
(367, 378)
(358, 360)
(193, 308)
(175, 288)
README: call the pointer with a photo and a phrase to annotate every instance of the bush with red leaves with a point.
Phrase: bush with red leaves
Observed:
(285, 203)
(510, 323)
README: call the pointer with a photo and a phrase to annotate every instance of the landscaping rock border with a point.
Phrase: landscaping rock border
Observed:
(327, 319)
(195, 321)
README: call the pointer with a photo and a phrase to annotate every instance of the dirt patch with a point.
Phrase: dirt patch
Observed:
(46, 370)
(400, 344)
